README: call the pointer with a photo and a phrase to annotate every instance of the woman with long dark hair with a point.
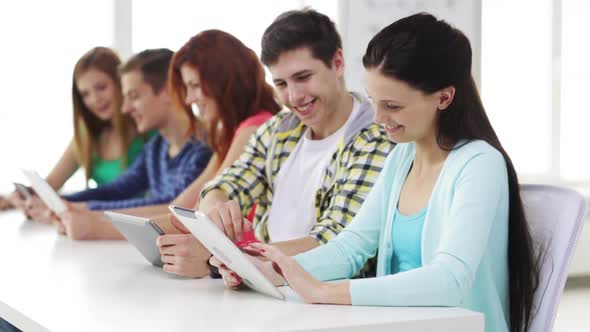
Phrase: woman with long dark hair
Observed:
(445, 214)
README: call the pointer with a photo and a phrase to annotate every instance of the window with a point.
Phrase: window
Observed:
(39, 50)
(575, 71)
(173, 24)
(516, 79)
(534, 73)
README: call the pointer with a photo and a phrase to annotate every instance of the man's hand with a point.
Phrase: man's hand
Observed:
(183, 254)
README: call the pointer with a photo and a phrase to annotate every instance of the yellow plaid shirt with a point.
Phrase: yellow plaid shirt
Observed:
(352, 171)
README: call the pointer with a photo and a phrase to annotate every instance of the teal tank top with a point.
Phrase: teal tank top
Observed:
(407, 241)
(106, 170)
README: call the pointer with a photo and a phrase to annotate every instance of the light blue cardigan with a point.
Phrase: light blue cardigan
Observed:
(464, 240)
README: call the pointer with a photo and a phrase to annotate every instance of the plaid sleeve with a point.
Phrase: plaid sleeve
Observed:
(366, 157)
(245, 180)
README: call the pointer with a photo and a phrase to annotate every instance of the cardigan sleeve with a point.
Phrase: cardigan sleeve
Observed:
(480, 192)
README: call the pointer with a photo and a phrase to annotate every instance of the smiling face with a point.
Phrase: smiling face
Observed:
(195, 96)
(406, 113)
(148, 109)
(308, 87)
(99, 93)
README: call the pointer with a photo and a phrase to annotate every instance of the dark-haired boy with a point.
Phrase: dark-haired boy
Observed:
(309, 168)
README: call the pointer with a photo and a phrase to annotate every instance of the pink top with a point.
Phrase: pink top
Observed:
(254, 120)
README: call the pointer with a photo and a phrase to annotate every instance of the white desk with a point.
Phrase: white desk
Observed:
(48, 282)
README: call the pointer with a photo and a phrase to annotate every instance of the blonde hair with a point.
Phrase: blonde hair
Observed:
(87, 126)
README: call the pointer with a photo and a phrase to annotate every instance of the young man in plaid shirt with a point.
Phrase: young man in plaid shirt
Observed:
(309, 168)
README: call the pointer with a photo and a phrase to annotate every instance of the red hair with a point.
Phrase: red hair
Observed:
(231, 75)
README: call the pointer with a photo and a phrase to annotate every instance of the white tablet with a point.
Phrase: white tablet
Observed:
(45, 192)
(141, 233)
(225, 250)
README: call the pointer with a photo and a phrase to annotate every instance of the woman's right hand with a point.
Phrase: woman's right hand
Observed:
(233, 281)
(280, 269)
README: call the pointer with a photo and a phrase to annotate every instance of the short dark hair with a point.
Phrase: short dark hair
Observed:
(153, 65)
(301, 28)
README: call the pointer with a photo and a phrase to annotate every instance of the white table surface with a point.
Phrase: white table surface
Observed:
(48, 282)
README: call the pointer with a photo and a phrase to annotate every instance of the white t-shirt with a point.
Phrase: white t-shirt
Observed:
(292, 213)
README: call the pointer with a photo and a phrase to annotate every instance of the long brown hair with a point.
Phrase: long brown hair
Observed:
(87, 126)
(230, 74)
(430, 55)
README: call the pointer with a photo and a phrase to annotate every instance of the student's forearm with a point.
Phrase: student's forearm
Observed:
(335, 293)
(189, 198)
(212, 198)
(64, 169)
(294, 247)
(104, 230)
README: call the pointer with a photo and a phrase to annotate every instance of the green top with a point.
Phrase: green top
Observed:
(106, 170)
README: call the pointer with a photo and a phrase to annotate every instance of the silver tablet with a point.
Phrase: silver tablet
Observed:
(141, 233)
(45, 192)
(225, 250)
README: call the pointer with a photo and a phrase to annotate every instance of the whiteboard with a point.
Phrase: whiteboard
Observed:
(360, 20)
